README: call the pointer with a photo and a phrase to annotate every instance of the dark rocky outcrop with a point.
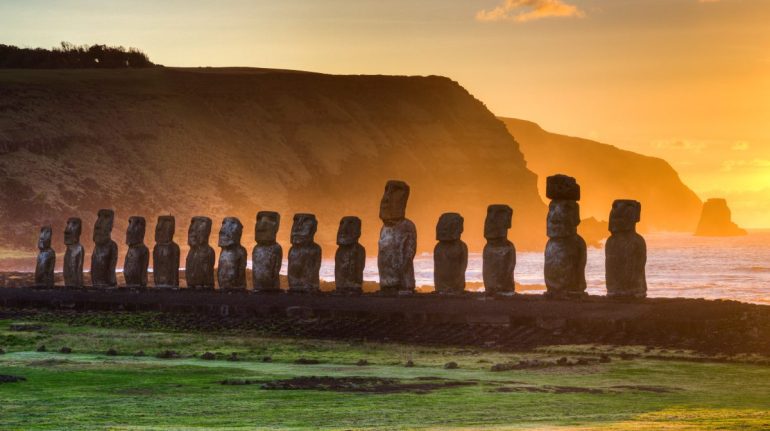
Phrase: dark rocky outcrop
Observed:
(716, 220)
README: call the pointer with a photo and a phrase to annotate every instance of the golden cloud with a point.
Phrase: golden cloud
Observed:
(529, 10)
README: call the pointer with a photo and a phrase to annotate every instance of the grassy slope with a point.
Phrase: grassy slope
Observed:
(89, 390)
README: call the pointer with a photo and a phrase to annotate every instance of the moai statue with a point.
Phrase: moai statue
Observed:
(626, 252)
(304, 255)
(138, 255)
(105, 255)
(450, 256)
(165, 254)
(499, 253)
(565, 252)
(46, 259)
(231, 272)
(199, 265)
(398, 241)
(267, 254)
(350, 258)
(73, 257)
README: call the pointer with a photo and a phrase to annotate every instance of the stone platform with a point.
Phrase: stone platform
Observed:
(521, 321)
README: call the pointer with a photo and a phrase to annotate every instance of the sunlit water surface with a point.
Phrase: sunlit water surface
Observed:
(678, 265)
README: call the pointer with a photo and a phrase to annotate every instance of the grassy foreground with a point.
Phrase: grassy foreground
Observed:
(88, 389)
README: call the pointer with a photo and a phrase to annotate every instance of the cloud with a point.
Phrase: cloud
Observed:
(529, 10)
(740, 146)
(681, 144)
(731, 165)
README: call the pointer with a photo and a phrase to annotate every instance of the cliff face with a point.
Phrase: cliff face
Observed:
(606, 173)
(231, 142)
(716, 220)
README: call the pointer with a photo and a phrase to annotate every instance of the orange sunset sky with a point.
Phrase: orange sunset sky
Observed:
(686, 80)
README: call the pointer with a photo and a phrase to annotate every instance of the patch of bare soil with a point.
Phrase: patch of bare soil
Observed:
(373, 385)
(5, 378)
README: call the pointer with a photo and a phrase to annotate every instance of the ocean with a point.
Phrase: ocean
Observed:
(678, 265)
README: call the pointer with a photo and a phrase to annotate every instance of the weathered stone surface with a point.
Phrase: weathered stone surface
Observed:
(562, 187)
(565, 252)
(716, 220)
(138, 255)
(73, 257)
(565, 262)
(105, 256)
(231, 272)
(350, 258)
(450, 256)
(46, 259)
(563, 219)
(199, 265)
(304, 255)
(499, 253)
(165, 254)
(625, 252)
(398, 241)
(267, 254)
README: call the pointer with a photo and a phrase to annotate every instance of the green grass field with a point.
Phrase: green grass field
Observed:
(88, 389)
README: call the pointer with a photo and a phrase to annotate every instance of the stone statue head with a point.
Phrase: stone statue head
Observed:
(103, 226)
(267, 226)
(164, 230)
(230, 233)
(498, 221)
(624, 216)
(562, 187)
(393, 203)
(136, 229)
(303, 229)
(449, 227)
(199, 232)
(44, 240)
(563, 218)
(349, 231)
(72, 231)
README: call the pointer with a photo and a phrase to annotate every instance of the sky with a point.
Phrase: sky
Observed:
(686, 80)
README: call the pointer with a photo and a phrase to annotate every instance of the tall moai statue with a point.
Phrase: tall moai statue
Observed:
(625, 252)
(398, 241)
(199, 265)
(165, 254)
(138, 255)
(267, 254)
(350, 258)
(565, 252)
(450, 256)
(73, 257)
(104, 259)
(499, 253)
(231, 272)
(304, 255)
(46, 259)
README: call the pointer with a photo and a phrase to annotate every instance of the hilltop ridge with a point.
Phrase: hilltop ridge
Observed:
(232, 142)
